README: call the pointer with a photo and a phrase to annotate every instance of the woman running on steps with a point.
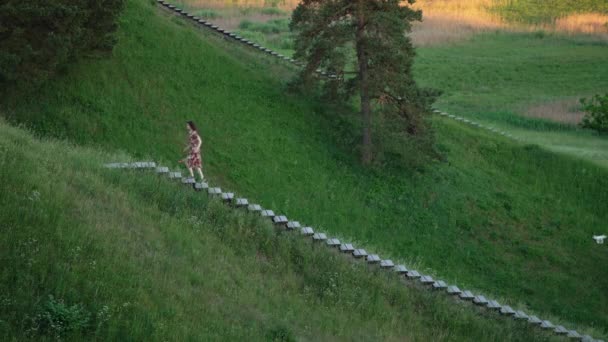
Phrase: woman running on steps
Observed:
(193, 161)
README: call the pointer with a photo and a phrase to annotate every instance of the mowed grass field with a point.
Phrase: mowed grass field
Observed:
(90, 253)
(513, 221)
(496, 78)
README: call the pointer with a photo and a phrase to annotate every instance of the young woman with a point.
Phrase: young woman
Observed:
(193, 160)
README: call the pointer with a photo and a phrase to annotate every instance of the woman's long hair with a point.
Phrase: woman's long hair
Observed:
(192, 126)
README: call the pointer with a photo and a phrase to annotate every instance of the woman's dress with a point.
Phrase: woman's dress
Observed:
(194, 157)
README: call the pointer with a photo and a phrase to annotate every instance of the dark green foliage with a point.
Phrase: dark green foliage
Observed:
(56, 319)
(596, 116)
(280, 334)
(365, 44)
(40, 38)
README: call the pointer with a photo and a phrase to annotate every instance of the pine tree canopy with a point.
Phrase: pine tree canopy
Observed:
(365, 43)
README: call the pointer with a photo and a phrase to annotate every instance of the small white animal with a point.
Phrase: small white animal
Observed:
(599, 238)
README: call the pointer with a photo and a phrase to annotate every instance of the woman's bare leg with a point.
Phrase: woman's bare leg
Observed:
(191, 172)
(200, 172)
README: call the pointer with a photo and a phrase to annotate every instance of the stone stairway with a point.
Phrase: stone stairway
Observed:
(231, 36)
(410, 276)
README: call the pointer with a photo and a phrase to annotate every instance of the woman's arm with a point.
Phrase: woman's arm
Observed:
(198, 144)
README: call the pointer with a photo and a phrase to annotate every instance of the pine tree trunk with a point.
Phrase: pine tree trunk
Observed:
(366, 151)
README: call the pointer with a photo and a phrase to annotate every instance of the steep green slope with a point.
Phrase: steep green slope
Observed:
(90, 253)
(495, 77)
(507, 219)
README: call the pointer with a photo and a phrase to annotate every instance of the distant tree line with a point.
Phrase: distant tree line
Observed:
(40, 38)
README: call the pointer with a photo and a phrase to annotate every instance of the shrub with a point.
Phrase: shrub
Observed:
(245, 24)
(246, 10)
(57, 319)
(40, 38)
(285, 42)
(280, 333)
(596, 116)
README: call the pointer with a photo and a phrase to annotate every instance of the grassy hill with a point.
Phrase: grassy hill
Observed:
(95, 254)
(513, 221)
(526, 80)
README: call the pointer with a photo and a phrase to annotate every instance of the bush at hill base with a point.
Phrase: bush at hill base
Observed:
(596, 116)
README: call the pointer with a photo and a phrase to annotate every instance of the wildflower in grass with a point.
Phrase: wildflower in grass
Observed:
(75, 252)
(34, 196)
(103, 315)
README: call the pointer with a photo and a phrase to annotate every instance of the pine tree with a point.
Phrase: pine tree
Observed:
(370, 38)
(40, 38)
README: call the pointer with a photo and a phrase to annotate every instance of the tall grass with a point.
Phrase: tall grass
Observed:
(510, 220)
(451, 21)
(96, 254)
(273, 33)
(272, 26)
(208, 14)
(535, 12)
(567, 111)
(280, 4)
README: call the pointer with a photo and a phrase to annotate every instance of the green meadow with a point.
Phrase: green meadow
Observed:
(494, 78)
(95, 254)
(526, 80)
(513, 221)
